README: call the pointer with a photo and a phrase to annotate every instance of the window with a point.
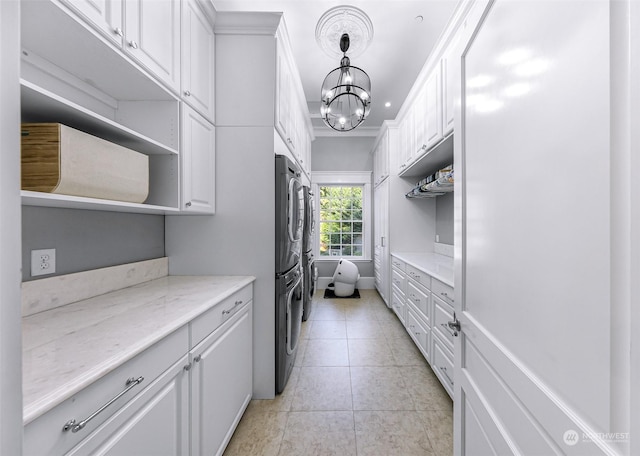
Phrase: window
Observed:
(341, 221)
(342, 215)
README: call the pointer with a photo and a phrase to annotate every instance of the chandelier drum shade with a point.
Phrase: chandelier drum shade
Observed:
(345, 94)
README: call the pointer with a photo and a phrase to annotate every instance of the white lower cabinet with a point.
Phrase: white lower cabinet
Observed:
(221, 383)
(424, 305)
(180, 396)
(154, 422)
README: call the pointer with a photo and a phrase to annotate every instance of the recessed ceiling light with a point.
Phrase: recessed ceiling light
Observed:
(387, 104)
(419, 19)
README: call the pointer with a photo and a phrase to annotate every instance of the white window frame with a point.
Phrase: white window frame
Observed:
(345, 178)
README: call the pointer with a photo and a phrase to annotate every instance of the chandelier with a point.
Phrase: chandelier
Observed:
(345, 94)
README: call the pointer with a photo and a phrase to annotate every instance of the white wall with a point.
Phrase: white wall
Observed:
(10, 310)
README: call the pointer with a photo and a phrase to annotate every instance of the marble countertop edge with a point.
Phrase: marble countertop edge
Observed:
(34, 408)
(429, 263)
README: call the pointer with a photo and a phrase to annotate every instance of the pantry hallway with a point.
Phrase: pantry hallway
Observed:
(359, 387)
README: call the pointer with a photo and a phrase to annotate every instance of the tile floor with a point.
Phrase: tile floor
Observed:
(359, 387)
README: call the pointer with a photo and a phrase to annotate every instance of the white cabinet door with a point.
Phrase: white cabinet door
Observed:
(152, 37)
(104, 15)
(197, 162)
(381, 230)
(197, 59)
(433, 119)
(221, 383)
(154, 422)
(450, 84)
(535, 358)
(283, 97)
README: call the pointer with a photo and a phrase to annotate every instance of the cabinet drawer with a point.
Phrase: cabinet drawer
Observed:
(419, 333)
(442, 364)
(396, 263)
(419, 276)
(205, 324)
(398, 280)
(443, 291)
(421, 298)
(397, 304)
(44, 435)
(443, 313)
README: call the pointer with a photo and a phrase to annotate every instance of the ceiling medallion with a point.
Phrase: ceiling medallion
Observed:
(340, 20)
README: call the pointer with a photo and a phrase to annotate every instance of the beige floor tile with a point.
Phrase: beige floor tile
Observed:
(439, 427)
(328, 312)
(379, 388)
(319, 433)
(328, 329)
(370, 352)
(364, 329)
(281, 402)
(405, 352)
(305, 328)
(391, 433)
(326, 352)
(425, 389)
(360, 312)
(258, 433)
(393, 329)
(302, 348)
(323, 388)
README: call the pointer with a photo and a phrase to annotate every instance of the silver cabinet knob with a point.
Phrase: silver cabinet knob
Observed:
(187, 93)
(188, 204)
(133, 44)
(118, 31)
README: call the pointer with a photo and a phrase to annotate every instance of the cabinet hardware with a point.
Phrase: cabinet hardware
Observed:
(197, 359)
(133, 44)
(444, 371)
(228, 311)
(187, 367)
(446, 296)
(118, 31)
(71, 424)
(187, 93)
(188, 204)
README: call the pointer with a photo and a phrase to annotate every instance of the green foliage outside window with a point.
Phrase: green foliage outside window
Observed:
(341, 231)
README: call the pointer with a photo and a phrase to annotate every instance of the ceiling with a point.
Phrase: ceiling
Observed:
(399, 48)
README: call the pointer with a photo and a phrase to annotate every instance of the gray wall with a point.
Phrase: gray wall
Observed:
(344, 154)
(444, 218)
(89, 239)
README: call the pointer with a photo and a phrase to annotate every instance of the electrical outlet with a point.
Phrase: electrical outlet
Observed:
(43, 262)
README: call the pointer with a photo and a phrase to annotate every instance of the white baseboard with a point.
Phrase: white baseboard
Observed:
(364, 283)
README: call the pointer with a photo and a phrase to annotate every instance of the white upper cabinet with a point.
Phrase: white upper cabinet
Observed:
(152, 37)
(291, 113)
(433, 118)
(197, 59)
(197, 163)
(450, 74)
(381, 158)
(105, 15)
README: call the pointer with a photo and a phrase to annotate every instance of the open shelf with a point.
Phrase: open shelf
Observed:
(77, 202)
(41, 105)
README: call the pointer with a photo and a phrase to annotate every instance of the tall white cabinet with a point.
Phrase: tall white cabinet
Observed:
(238, 240)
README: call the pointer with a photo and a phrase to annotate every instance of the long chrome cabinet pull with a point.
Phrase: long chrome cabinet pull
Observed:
(236, 304)
(446, 374)
(71, 424)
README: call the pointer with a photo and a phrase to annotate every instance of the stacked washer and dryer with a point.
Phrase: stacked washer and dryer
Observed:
(295, 269)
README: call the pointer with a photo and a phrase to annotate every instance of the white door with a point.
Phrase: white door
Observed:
(533, 359)
(221, 383)
(198, 163)
(152, 36)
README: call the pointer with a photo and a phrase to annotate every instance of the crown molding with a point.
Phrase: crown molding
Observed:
(326, 132)
(247, 23)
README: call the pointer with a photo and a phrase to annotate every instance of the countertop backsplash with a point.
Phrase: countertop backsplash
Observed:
(46, 294)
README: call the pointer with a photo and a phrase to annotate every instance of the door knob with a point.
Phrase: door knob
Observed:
(454, 325)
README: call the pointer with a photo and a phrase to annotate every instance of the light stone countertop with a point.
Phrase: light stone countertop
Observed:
(434, 264)
(68, 348)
